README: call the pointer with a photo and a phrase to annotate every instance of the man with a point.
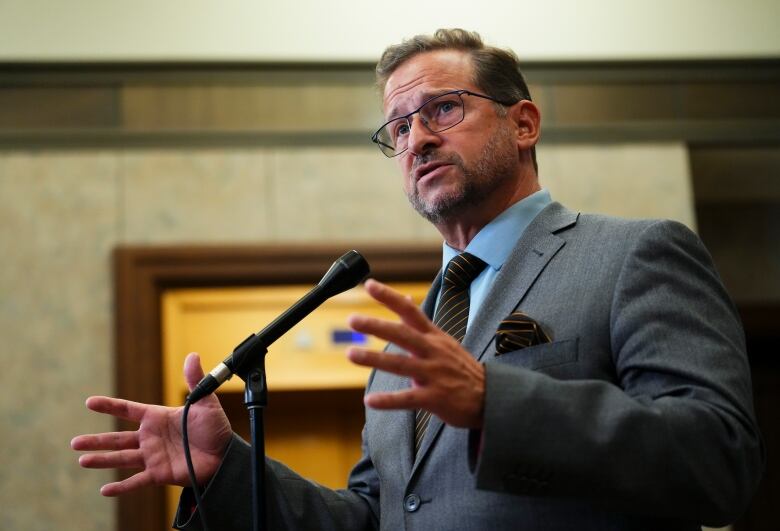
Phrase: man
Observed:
(628, 408)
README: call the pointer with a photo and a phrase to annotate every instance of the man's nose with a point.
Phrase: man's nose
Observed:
(421, 139)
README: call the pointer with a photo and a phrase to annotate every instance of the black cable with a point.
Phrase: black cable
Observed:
(190, 468)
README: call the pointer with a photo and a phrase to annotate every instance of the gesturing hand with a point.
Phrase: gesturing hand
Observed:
(446, 379)
(156, 446)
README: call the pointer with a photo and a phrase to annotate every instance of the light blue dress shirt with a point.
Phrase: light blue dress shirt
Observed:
(495, 242)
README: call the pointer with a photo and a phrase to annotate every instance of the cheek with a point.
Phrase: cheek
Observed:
(405, 167)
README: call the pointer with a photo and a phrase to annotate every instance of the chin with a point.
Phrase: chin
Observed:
(440, 207)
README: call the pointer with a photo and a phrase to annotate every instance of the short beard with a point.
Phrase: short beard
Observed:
(480, 180)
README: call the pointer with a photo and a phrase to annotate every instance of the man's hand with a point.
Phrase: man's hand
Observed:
(446, 379)
(156, 446)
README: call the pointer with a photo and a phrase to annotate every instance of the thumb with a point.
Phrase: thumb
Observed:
(193, 372)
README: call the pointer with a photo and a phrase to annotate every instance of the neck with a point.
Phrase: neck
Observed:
(459, 231)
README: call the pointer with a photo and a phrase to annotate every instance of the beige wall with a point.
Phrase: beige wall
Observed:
(355, 30)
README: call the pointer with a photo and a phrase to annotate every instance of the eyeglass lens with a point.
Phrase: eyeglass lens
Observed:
(438, 114)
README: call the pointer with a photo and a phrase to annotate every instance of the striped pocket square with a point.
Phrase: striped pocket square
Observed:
(518, 331)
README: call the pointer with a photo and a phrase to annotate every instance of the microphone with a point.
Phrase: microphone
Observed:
(345, 273)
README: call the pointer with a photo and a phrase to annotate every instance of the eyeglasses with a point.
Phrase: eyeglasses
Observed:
(438, 114)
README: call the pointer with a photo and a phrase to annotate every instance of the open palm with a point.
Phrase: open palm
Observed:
(156, 446)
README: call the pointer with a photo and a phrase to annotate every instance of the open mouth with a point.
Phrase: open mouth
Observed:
(429, 169)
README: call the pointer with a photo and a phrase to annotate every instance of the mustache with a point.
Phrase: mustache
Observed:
(435, 156)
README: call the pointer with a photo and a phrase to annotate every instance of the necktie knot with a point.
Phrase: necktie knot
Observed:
(462, 269)
(453, 310)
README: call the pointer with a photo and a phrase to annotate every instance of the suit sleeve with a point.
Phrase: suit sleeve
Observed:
(293, 502)
(674, 435)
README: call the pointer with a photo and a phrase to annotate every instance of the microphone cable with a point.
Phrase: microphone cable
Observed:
(190, 467)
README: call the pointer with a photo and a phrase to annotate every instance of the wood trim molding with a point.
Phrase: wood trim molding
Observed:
(142, 273)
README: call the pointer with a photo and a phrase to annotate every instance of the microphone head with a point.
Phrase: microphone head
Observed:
(345, 273)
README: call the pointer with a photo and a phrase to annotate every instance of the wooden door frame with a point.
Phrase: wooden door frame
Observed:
(143, 273)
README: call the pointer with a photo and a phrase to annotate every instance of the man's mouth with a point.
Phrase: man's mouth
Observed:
(425, 169)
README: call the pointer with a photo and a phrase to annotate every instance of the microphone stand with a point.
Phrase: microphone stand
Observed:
(256, 399)
(248, 362)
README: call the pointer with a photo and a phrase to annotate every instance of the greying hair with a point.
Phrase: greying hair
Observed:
(496, 71)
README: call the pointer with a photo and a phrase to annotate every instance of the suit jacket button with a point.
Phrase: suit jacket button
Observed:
(411, 503)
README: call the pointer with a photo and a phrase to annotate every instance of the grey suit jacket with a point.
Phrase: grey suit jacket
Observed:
(638, 415)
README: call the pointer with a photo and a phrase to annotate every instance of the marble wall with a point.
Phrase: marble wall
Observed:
(61, 213)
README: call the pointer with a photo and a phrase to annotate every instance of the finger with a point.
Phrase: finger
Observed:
(136, 481)
(400, 304)
(117, 440)
(402, 335)
(406, 399)
(193, 374)
(118, 407)
(193, 371)
(394, 363)
(120, 459)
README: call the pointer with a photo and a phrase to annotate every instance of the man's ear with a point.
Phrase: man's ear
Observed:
(526, 117)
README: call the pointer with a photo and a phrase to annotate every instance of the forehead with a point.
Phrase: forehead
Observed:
(425, 75)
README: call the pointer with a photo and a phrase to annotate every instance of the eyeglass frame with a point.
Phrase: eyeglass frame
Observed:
(459, 92)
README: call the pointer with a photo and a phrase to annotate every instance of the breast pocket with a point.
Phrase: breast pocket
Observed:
(543, 356)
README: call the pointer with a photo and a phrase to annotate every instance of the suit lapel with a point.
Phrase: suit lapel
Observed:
(399, 424)
(396, 425)
(528, 259)
(429, 304)
(434, 424)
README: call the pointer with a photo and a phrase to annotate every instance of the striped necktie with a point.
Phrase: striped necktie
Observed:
(452, 315)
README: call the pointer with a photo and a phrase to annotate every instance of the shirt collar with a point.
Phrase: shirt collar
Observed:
(495, 241)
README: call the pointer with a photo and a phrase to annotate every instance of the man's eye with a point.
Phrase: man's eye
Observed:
(446, 107)
(401, 130)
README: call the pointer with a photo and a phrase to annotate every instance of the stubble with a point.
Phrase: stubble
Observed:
(480, 180)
